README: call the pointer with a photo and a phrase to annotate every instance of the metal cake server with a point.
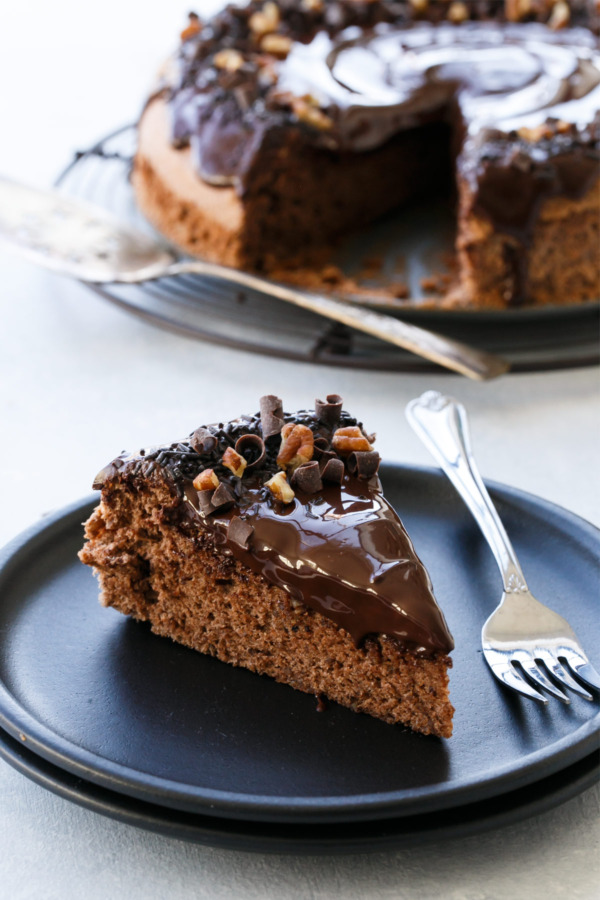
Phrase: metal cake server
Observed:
(523, 641)
(87, 243)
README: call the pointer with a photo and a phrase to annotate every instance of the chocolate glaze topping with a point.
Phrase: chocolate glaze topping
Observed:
(518, 82)
(355, 73)
(339, 549)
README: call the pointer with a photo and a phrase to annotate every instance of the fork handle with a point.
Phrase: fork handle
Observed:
(441, 423)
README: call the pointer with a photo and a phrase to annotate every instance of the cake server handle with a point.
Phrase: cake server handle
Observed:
(476, 364)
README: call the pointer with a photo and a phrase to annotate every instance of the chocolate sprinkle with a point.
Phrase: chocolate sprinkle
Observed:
(333, 471)
(364, 463)
(271, 415)
(252, 448)
(239, 532)
(307, 478)
(329, 413)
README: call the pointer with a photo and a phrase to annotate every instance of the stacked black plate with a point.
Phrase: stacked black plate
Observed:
(99, 710)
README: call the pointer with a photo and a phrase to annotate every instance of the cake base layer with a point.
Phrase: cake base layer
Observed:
(297, 201)
(155, 564)
(559, 264)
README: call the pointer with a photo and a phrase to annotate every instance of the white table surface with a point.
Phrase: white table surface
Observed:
(80, 380)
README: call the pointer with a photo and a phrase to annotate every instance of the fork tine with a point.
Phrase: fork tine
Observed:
(535, 673)
(560, 673)
(581, 665)
(510, 677)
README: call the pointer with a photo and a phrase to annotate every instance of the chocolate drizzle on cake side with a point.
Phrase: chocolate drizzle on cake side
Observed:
(297, 500)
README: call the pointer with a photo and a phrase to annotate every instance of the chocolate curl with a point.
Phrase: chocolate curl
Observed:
(239, 532)
(271, 415)
(307, 478)
(329, 413)
(203, 441)
(325, 456)
(252, 448)
(364, 463)
(333, 471)
(320, 446)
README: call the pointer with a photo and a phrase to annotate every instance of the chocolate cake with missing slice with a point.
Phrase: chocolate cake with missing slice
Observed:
(268, 543)
(281, 125)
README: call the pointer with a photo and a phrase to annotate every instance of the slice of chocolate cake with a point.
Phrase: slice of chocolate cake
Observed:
(267, 542)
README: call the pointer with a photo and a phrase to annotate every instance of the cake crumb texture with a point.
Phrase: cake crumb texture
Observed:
(155, 565)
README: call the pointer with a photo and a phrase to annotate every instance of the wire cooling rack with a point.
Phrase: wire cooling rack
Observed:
(211, 310)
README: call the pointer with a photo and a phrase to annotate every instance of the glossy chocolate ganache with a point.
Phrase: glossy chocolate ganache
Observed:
(347, 76)
(296, 499)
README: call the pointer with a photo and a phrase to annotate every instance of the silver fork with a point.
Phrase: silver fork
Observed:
(523, 641)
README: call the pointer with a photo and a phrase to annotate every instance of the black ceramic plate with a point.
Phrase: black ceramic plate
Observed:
(264, 837)
(414, 243)
(101, 697)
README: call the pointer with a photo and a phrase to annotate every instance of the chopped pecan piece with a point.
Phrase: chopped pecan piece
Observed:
(234, 462)
(266, 20)
(279, 487)
(560, 16)
(278, 45)
(194, 27)
(228, 59)
(307, 111)
(297, 446)
(206, 480)
(458, 12)
(349, 440)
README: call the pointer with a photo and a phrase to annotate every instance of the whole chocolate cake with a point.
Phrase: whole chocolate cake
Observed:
(280, 125)
(268, 543)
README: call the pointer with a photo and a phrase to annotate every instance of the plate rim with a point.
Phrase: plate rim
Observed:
(381, 834)
(17, 721)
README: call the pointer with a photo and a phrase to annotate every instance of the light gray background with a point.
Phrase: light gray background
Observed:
(79, 381)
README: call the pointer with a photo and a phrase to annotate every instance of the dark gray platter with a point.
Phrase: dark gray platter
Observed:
(264, 837)
(102, 698)
(413, 243)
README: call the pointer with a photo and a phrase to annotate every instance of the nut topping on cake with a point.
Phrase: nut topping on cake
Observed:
(265, 21)
(278, 45)
(194, 27)
(234, 462)
(206, 480)
(350, 439)
(297, 445)
(279, 487)
(228, 59)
